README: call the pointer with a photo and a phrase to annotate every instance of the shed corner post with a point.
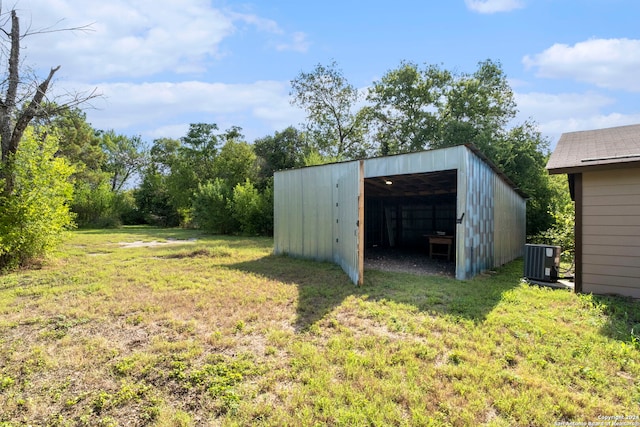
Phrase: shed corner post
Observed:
(361, 224)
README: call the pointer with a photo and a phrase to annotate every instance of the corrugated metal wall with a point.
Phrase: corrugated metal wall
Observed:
(345, 251)
(307, 220)
(510, 223)
(478, 224)
(422, 162)
(316, 214)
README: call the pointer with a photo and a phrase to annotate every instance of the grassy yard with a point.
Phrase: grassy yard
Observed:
(218, 331)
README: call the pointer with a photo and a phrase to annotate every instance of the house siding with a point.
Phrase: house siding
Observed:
(611, 232)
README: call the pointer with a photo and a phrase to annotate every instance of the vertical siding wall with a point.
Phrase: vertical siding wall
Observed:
(611, 232)
(345, 251)
(316, 212)
(307, 220)
(510, 223)
(494, 226)
(478, 223)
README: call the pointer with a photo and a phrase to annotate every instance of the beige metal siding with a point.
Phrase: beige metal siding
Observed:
(303, 213)
(422, 162)
(611, 232)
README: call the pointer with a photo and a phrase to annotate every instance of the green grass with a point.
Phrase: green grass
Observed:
(218, 331)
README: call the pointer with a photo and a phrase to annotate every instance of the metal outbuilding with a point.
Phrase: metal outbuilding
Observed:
(335, 212)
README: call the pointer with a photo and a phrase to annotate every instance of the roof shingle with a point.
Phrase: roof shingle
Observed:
(595, 148)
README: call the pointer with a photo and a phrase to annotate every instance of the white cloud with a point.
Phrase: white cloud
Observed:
(493, 6)
(139, 38)
(155, 108)
(298, 43)
(546, 106)
(568, 112)
(606, 63)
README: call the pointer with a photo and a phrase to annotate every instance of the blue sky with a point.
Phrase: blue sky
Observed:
(162, 64)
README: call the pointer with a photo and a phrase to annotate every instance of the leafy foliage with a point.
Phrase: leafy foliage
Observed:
(212, 207)
(562, 210)
(405, 104)
(252, 210)
(283, 150)
(125, 156)
(35, 214)
(94, 206)
(337, 128)
(235, 163)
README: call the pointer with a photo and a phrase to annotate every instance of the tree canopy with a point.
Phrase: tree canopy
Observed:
(335, 124)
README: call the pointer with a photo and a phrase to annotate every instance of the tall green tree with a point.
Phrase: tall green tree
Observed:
(414, 109)
(80, 144)
(124, 157)
(477, 107)
(282, 150)
(335, 122)
(522, 153)
(236, 163)
(161, 193)
(405, 107)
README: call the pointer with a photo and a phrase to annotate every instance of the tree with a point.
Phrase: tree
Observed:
(336, 127)
(283, 150)
(80, 144)
(22, 101)
(406, 102)
(476, 108)
(416, 109)
(236, 163)
(35, 215)
(124, 157)
(252, 210)
(522, 154)
(159, 196)
(212, 207)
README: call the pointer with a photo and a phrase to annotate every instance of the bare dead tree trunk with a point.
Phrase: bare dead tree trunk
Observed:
(8, 104)
(13, 125)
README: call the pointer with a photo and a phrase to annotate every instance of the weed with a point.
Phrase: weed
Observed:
(221, 332)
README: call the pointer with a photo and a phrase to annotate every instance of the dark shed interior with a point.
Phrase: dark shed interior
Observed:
(402, 211)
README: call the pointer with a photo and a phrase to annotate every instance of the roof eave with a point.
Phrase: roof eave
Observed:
(593, 167)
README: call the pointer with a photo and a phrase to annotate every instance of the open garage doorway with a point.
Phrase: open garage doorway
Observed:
(410, 222)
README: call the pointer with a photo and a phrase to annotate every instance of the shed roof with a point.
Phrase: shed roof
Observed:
(596, 149)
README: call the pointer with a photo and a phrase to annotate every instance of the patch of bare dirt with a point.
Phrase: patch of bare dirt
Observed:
(142, 244)
(404, 261)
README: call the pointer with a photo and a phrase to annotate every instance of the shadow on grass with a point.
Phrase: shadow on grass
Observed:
(323, 286)
(623, 317)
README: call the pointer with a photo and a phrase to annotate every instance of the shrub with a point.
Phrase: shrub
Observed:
(211, 208)
(35, 214)
(246, 207)
(93, 206)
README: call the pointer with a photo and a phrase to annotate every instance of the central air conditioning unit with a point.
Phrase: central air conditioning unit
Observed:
(541, 262)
